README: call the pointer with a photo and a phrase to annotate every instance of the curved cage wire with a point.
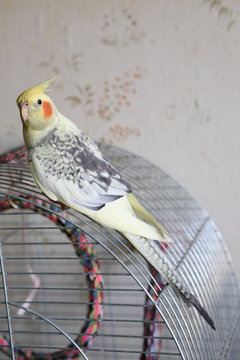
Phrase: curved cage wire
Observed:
(72, 288)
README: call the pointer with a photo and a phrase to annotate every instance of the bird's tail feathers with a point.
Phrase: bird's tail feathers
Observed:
(189, 300)
(158, 260)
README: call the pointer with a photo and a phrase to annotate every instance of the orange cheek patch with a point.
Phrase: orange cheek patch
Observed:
(47, 109)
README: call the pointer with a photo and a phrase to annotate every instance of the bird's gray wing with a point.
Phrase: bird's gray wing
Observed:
(72, 167)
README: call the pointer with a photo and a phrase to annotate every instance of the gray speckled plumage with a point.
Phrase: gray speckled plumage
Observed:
(77, 159)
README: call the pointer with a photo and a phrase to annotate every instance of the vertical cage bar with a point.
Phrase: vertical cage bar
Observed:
(7, 304)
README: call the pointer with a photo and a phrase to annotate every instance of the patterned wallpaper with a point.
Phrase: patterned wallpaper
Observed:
(157, 77)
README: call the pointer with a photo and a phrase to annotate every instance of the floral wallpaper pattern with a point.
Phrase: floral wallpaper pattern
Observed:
(225, 12)
(107, 103)
(118, 93)
(105, 100)
(131, 31)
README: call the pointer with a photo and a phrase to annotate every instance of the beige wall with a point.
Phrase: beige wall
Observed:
(158, 77)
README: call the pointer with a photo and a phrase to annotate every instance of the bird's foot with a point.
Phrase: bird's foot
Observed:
(63, 209)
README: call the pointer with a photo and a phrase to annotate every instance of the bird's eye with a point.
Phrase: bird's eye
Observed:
(39, 102)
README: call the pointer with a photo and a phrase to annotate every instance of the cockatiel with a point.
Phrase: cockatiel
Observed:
(69, 169)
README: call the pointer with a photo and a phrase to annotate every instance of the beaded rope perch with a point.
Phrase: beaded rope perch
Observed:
(152, 321)
(153, 326)
(91, 266)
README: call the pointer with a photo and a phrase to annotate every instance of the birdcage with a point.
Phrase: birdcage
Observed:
(72, 288)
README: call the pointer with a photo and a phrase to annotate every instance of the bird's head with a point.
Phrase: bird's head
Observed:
(37, 110)
(38, 113)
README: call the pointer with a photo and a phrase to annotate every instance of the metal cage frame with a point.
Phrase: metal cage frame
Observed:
(170, 329)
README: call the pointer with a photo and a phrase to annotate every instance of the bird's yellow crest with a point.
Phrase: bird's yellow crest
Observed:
(34, 91)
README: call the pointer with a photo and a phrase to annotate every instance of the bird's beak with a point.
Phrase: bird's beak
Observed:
(24, 111)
